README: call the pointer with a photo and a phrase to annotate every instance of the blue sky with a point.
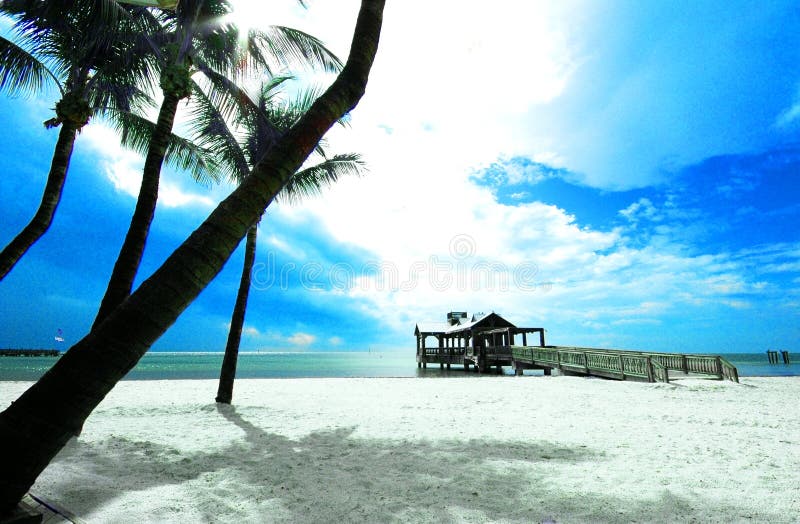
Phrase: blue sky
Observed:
(624, 175)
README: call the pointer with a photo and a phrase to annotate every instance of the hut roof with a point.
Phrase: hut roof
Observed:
(479, 320)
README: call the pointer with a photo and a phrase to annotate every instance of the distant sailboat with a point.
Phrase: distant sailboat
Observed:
(59, 338)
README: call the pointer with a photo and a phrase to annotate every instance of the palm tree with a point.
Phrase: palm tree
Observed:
(196, 39)
(263, 123)
(81, 48)
(40, 422)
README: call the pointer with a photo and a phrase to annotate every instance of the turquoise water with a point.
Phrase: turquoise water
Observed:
(757, 365)
(191, 365)
(163, 365)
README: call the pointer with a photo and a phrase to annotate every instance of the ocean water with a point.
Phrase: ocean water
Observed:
(196, 365)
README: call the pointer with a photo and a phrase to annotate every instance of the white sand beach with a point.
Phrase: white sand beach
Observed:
(489, 449)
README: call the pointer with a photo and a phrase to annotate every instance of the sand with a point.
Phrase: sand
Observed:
(489, 449)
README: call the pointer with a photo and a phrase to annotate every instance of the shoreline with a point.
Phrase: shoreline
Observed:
(196, 366)
(568, 449)
(430, 376)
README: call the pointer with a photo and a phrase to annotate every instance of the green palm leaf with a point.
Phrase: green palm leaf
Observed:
(136, 131)
(213, 133)
(298, 46)
(21, 72)
(311, 181)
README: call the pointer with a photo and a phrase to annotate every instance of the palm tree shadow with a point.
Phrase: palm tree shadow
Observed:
(336, 475)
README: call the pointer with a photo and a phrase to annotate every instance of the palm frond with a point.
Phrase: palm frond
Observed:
(122, 96)
(212, 132)
(292, 47)
(136, 131)
(21, 72)
(217, 46)
(310, 181)
(79, 40)
(198, 161)
(304, 100)
(230, 99)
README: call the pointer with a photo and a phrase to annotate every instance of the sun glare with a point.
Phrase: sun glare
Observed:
(246, 14)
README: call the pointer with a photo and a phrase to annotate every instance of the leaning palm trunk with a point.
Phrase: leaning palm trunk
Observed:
(130, 255)
(227, 373)
(40, 422)
(47, 208)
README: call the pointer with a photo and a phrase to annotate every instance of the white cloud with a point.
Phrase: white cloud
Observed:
(641, 209)
(284, 246)
(547, 270)
(301, 339)
(251, 331)
(247, 330)
(793, 267)
(791, 114)
(637, 321)
(463, 94)
(123, 168)
(124, 175)
(171, 195)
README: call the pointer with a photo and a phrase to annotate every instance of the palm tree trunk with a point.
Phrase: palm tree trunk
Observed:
(41, 221)
(227, 373)
(130, 256)
(38, 424)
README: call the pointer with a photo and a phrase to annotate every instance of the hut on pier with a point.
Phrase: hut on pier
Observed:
(481, 340)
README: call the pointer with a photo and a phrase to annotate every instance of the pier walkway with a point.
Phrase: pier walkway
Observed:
(608, 363)
(621, 365)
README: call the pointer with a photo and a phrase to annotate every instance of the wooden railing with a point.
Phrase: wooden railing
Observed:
(729, 371)
(435, 352)
(622, 364)
(489, 352)
(481, 356)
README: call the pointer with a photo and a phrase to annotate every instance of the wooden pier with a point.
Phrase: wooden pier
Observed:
(488, 341)
(772, 356)
(621, 365)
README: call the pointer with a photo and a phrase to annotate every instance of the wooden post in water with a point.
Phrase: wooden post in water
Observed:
(785, 355)
(772, 356)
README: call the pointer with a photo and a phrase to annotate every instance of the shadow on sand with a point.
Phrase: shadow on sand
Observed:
(331, 476)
